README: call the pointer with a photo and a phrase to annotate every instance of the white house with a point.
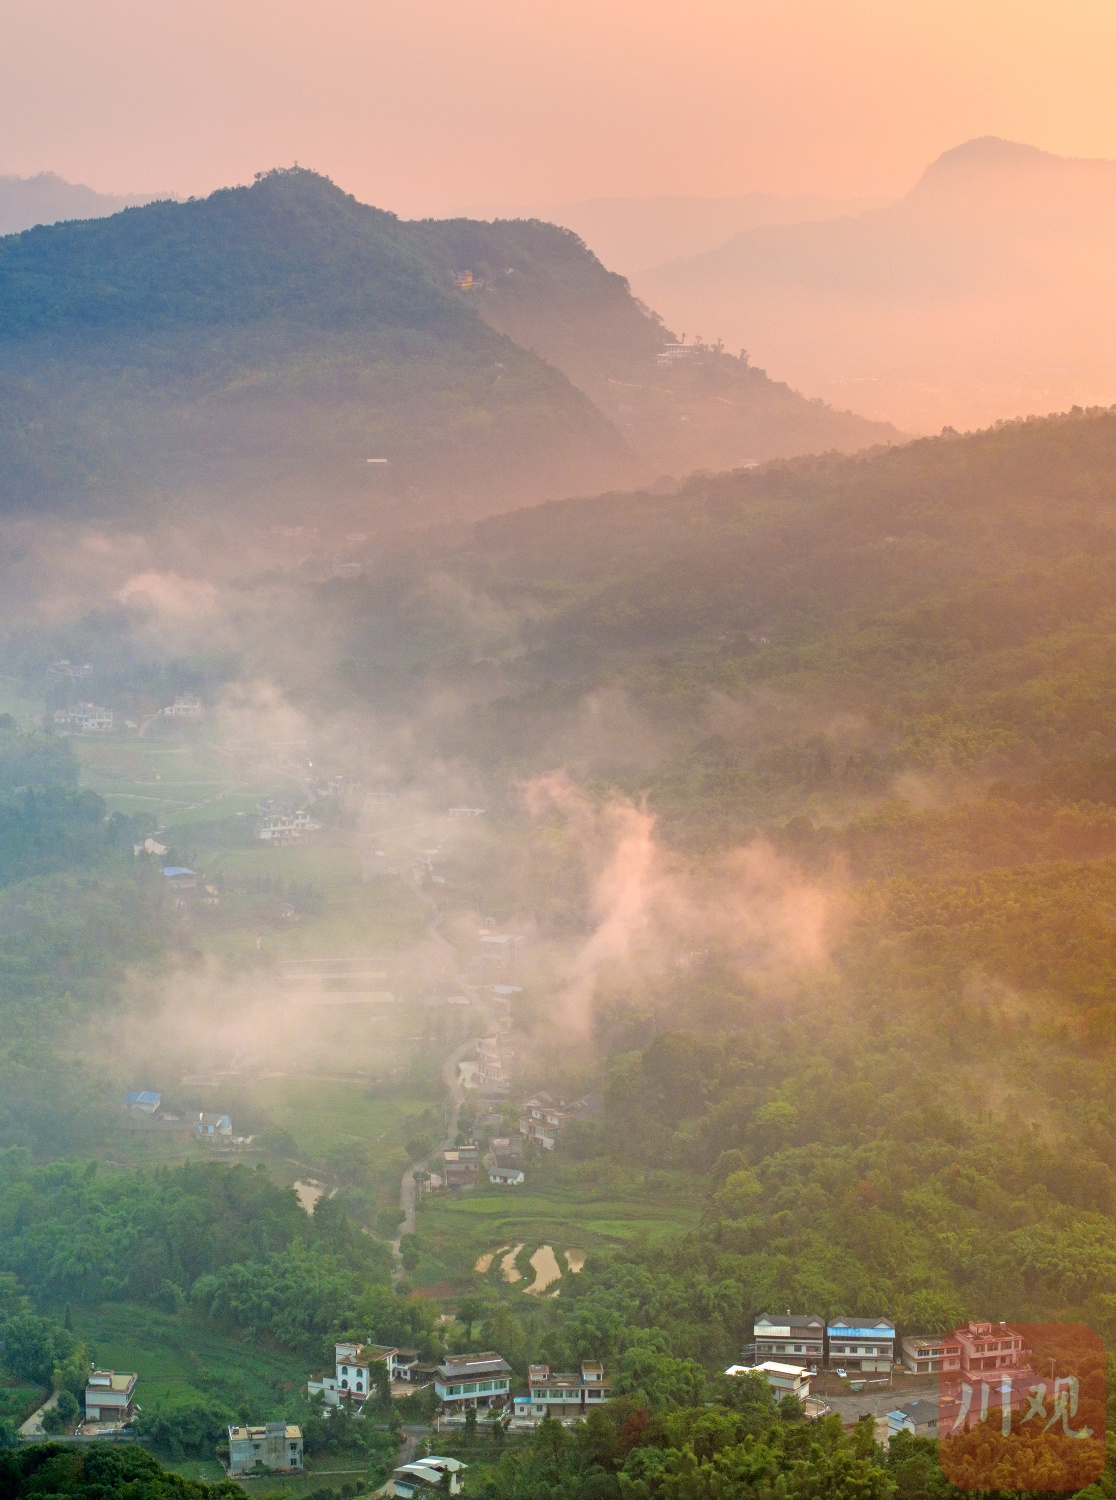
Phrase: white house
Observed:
(424, 1475)
(558, 1395)
(465, 1380)
(804, 1337)
(108, 1396)
(858, 1344)
(184, 707)
(286, 828)
(505, 1176)
(276, 1445)
(785, 1380)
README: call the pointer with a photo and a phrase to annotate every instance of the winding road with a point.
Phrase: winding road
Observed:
(408, 1187)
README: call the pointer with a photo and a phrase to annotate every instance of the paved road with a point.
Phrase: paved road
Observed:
(33, 1427)
(877, 1402)
(408, 1188)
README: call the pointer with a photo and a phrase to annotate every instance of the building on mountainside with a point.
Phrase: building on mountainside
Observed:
(109, 1396)
(426, 1475)
(89, 718)
(286, 828)
(989, 1347)
(185, 707)
(276, 1445)
(461, 1167)
(505, 1176)
(352, 1377)
(863, 1344)
(919, 1417)
(507, 1150)
(793, 1335)
(71, 670)
(179, 878)
(213, 1126)
(472, 1380)
(995, 1375)
(143, 1101)
(499, 950)
(670, 354)
(930, 1356)
(784, 1379)
(542, 1119)
(149, 846)
(492, 1057)
(570, 1396)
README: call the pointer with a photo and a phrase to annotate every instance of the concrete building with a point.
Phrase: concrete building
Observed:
(505, 1176)
(184, 707)
(930, 1356)
(286, 828)
(276, 1445)
(801, 1337)
(461, 1167)
(213, 1126)
(784, 1380)
(472, 1380)
(919, 1417)
(90, 718)
(863, 1344)
(142, 1101)
(989, 1347)
(554, 1395)
(424, 1475)
(109, 1396)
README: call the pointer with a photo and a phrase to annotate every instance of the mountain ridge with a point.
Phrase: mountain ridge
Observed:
(268, 341)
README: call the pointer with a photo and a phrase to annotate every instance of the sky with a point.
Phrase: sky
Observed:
(426, 106)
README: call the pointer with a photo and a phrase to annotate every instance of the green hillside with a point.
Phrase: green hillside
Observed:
(264, 343)
(540, 285)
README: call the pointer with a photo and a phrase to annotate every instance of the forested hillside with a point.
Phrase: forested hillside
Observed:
(266, 342)
(708, 410)
(895, 674)
(262, 345)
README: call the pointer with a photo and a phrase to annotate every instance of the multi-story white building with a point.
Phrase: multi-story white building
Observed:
(557, 1395)
(930, 1356)
(780, 1338)
(863, 1344)
(472, 1380)
(109, 1395)
(184, 707)
(276, 1445)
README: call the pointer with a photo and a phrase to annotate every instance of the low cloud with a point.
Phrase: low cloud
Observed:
(650, 903)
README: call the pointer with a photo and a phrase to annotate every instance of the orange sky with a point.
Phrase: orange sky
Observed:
(427, 105)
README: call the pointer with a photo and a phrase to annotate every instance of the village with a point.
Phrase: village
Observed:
(479, 1393)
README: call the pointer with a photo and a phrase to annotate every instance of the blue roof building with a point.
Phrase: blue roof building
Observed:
(143, 1100)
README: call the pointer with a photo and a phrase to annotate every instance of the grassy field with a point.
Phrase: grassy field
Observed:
(563, 1207)
(18, 1400)
(177, 1357)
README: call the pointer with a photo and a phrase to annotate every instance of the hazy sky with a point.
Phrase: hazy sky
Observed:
(426, 105)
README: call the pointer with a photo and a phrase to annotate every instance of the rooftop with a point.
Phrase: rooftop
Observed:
(110, 1380)
(459, 1366)
(272, 1429)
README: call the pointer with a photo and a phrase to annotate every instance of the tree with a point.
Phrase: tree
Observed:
(469, 1310)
